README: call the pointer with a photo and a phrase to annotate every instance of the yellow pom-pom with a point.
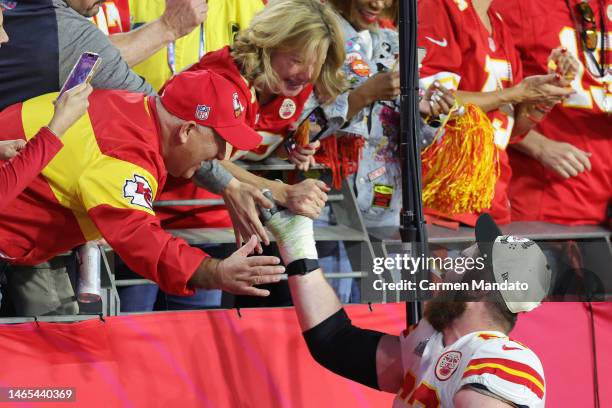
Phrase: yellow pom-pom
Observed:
(460, 169)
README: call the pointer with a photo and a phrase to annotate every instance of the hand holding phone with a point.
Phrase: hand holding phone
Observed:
(309, 131)
(69, 108)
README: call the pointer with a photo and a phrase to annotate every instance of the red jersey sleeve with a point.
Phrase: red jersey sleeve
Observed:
(147, 249)
(118, 197)
(16, 174)
(437, 34)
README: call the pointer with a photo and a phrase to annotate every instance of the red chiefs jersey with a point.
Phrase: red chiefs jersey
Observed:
(537, 192)
(113, 17)
(462, 55)
(272, 120)
(102, 183)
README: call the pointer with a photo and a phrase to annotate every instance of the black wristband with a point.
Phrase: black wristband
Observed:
(302, 266)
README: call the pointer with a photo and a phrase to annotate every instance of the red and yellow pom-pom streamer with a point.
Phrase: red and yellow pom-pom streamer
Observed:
(461, 168)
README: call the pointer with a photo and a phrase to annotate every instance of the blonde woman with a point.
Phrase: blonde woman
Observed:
(291, 48)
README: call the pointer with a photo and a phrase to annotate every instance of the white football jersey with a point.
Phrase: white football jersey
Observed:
(488, 360)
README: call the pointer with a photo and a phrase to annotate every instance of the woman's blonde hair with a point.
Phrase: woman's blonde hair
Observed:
(307, 26)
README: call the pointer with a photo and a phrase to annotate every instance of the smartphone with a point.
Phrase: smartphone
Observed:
(318, 127)
(82, 71)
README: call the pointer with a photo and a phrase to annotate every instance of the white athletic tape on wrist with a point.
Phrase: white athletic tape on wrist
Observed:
(294, 236)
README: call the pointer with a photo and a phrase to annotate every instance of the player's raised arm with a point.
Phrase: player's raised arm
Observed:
(369, 357)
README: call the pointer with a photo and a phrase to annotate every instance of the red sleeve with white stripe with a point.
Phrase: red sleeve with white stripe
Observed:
(147, 249)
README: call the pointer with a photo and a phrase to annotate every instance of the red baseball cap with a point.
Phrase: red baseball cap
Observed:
(212, 101)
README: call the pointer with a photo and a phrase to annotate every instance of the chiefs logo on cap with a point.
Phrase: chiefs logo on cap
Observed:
(202, 112)
(238, 108)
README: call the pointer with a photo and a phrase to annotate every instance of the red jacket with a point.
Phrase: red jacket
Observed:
(101, 184)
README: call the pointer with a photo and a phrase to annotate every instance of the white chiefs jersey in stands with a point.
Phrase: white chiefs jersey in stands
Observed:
(488, 361)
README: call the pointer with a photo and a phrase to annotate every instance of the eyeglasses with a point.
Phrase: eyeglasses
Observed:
(589, 26)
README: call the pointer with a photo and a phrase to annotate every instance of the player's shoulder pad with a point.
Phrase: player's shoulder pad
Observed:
(508, 369)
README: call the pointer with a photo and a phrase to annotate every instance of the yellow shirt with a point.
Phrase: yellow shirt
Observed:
(225, 19)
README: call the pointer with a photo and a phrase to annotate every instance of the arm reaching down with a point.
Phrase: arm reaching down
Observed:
(305, 198)
(368, 357)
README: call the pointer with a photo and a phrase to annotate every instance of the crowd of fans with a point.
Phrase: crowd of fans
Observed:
(235, 80)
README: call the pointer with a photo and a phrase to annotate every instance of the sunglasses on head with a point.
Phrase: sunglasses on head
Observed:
(589, 26)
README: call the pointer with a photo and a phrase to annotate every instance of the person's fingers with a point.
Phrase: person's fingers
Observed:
(322, 185)
(265, 271)
(443, 107)
(248, 247)
(237, 235)
(435, 112)
(270, 263)
(259, 229)
(88, 89)
(320, 195)
(250, 230)
(251, 291)
(301, 157)
(263, 280)
(568, 168)
(19, 144)
(583, 158)
(314, 145)
(77, 89)
(573, 161)
(554, 92)
(261, 199)
(448, 98)
(545, 79)
(304, 151)
(561, 171)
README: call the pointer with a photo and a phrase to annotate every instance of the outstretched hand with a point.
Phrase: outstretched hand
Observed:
(240, 272)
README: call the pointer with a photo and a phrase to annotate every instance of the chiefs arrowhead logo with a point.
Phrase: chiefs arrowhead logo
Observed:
(139, 191)
(447, 364)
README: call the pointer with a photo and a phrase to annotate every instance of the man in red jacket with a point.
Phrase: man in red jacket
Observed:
(114, 162)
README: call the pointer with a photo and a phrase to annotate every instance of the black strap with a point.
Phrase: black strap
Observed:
(302, 266)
